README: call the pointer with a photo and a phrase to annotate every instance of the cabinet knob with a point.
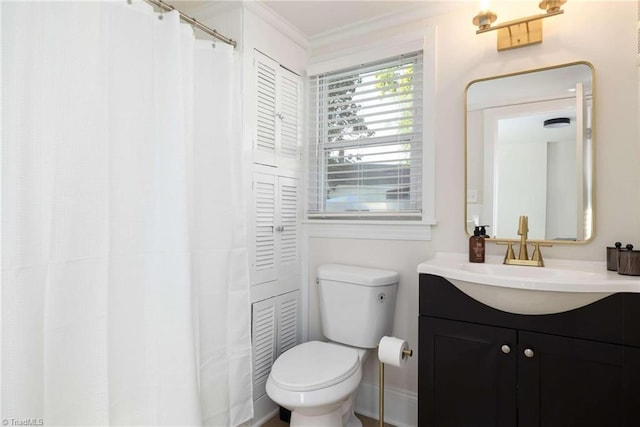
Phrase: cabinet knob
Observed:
(280, 228)
(505, 349)
(528, 352)
(280, 116)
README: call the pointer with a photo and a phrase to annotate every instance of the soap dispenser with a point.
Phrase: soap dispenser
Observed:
(476, 245)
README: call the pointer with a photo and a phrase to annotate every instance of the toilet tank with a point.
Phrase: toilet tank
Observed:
(356, 303)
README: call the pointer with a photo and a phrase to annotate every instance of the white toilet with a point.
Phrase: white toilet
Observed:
(317, 381)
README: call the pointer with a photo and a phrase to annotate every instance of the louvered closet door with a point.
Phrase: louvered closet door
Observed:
(287, 251)
(263, 263)
(264, 336)
(275, 329)
(290, 118)
(288, 334)
(266, 123)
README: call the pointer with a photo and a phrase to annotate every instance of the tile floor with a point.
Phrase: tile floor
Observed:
(366, 422)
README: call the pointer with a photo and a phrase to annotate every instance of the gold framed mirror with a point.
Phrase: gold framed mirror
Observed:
(529, 150)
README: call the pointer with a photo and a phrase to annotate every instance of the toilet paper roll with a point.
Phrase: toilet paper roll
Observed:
(390, 351)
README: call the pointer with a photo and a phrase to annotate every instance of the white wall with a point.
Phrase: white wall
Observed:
(603, 33)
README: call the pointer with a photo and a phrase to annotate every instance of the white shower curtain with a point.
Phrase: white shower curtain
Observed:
(124, 264)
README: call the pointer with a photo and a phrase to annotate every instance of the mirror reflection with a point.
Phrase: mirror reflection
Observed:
(529, 151)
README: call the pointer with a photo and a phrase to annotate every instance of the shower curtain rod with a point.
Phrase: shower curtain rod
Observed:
(190, 20)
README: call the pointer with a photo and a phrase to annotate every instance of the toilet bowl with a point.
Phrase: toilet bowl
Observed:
(317, 381)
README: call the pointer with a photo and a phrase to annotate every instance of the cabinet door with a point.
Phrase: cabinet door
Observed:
(288, 325)
(566, 382)
(289, 119)
(467, 375)
(287, 228)
(265, 81)
(275, 329)
(263, 260)
(264, 338)
(276, 217)
(278, 121)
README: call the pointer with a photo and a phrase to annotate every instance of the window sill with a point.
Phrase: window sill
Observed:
(378, 230)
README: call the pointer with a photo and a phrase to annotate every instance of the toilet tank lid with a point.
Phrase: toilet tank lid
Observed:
(358, 275)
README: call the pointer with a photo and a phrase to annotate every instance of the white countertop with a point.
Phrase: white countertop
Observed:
(559, 275)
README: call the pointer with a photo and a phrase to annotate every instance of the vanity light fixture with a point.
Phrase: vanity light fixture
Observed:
(519, 32)
(558, 122)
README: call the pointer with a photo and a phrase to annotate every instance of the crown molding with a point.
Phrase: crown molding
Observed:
(409, 15)
(271, 17)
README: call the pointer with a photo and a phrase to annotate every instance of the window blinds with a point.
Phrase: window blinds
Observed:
(366, 140)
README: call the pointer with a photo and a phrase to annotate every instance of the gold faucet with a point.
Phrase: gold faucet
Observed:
(523, 254)
(523, 232)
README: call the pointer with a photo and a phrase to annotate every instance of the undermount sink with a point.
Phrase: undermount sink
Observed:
(562, 285)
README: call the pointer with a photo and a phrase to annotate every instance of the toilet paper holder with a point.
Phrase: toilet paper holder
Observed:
(406, 353)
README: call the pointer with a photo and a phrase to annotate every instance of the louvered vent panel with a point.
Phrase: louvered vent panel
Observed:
(264, 223)
(289, 220)
(288, 323)
(266, 106)
(290, 124)
(264, 333)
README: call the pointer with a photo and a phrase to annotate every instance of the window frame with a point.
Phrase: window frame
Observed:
(380, 227)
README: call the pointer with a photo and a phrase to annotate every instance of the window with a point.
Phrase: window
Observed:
(366, 141)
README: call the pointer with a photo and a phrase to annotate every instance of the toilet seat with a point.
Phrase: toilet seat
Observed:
(314, 365)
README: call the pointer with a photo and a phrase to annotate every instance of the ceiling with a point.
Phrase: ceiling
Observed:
(315, 17)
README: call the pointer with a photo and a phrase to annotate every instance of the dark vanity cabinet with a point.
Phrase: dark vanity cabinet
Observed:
(481, 367)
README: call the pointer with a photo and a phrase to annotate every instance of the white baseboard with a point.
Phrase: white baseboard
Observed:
(263, 410)
(400, 407)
